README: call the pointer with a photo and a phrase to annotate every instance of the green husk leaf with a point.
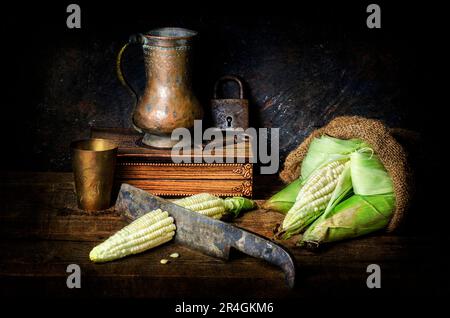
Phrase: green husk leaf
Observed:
(324, 148)
(356, 216)
(343, 187)
(369, 176)
(305, 218)
(284, 199)
(362, 201)
(236, 205)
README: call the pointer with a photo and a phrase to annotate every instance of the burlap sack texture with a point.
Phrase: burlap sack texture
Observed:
(382, 141)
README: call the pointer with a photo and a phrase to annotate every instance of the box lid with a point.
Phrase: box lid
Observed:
(132, 149)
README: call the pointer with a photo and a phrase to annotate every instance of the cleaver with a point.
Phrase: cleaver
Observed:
(202, 233)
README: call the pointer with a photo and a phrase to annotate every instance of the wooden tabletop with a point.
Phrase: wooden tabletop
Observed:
(42, 232)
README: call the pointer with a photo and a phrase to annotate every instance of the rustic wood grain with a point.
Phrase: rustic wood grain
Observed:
(131, 147)
(190, 187)
(184, 171)
(153, 169)
(42, 232)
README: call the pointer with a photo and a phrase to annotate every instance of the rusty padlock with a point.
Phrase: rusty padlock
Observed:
(230, 113)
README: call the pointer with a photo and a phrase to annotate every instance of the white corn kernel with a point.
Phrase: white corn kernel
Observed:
(314, 196)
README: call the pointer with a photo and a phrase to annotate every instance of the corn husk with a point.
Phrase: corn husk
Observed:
(299, 222)
(356, 216)
(322, 150)
(343, 188)
(369, 177)
(368, 210)
(362, 201)
(325, 149)
(235, 205)
(283, 200)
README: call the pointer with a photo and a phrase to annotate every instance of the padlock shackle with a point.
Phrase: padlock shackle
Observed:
(229, 78)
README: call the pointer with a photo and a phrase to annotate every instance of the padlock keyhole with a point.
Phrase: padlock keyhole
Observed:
(229, 120)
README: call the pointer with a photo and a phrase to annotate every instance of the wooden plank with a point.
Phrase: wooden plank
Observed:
(42, 231)
(191, 274)
(41, 265)
(10, 179)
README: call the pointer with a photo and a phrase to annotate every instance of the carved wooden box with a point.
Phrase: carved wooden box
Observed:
(153, 170)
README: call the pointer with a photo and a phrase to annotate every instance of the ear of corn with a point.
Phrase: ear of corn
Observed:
(343, 188)
(157, 227)
(368, 210)
(150, 230)
(203, 203)
(346, 192)
(313, 198)
(215, 207)
(324, 149)
(284, 199)
(353, 217)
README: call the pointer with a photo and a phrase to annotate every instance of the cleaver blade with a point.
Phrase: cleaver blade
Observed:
(199, 232)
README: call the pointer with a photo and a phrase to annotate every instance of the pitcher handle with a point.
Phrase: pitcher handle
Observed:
(134, 39)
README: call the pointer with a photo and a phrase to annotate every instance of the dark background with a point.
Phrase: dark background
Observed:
(302, 65)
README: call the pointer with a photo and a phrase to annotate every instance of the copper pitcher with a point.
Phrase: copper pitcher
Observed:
(168, 101)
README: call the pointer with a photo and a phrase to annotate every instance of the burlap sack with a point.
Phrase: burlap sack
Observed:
(380, 138)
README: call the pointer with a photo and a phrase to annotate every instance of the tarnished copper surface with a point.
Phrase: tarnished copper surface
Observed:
(168, 101)
(93, 162)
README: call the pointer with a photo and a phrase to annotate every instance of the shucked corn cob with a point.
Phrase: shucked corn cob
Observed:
(215, 207)
(157, 227)
(312, 199)
(204, 203)
(148, 231)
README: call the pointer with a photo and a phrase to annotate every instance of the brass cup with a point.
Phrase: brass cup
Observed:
(93, 162)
